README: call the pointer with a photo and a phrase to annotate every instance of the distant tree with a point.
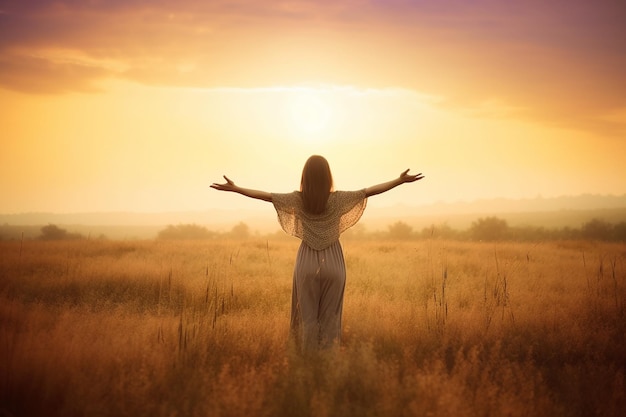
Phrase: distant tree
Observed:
(597, 229)
(619, 231)
(240, 231)
(53, 232)
(489, 228)
(441, 231)
(529, 233)
(400, 230)
(568, 233)
(185, 231)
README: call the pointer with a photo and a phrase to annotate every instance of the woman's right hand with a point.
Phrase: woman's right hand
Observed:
(229, 185)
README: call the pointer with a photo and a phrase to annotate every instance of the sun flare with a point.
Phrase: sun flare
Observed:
(310, 113)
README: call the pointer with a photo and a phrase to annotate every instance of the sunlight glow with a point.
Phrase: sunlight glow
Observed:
(262, 136)
(309, 112)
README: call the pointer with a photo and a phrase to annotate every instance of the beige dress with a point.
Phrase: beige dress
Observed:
(320, 272)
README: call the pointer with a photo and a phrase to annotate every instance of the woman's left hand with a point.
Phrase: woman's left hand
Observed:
(406, 177)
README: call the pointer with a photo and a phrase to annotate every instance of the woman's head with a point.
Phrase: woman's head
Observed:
(316, 184)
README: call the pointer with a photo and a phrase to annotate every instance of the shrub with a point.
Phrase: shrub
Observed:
(53, 232)
(186, 231)
(489, 228)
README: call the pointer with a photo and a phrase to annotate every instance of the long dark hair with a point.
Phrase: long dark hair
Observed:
(316, 184)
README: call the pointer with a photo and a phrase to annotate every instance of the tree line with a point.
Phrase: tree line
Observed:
(494, 229)
(483, 229)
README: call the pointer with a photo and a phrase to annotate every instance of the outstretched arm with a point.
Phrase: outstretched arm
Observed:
(230, 186)
(386, 186)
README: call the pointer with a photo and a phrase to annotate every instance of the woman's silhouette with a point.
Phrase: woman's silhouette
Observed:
(318, 215)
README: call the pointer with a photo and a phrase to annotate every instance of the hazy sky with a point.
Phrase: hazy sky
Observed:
(140, 105)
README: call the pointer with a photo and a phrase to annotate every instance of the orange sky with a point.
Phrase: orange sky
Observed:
(140, 105)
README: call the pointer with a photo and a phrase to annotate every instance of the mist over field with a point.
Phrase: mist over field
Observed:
(572, 211)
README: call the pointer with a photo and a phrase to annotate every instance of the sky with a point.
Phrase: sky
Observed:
(137, 105)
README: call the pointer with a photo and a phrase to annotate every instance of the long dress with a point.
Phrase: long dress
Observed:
(319, 275)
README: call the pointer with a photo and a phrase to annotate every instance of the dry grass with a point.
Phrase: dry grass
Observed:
(436, 328)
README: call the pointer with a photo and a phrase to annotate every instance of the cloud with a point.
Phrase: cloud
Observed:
(44, 76)
(559, 62)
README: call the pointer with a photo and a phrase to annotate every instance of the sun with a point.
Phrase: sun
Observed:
(309, 112)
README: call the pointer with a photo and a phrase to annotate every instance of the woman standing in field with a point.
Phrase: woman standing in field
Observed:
(318, 215)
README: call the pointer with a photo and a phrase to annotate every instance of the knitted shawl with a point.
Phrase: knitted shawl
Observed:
(343, 210)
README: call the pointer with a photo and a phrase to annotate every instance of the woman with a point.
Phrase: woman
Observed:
(318, 215)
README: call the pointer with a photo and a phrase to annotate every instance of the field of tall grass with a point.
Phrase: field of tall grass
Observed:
(431, 328)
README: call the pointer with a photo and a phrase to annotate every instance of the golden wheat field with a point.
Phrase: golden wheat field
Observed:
(200, 328)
